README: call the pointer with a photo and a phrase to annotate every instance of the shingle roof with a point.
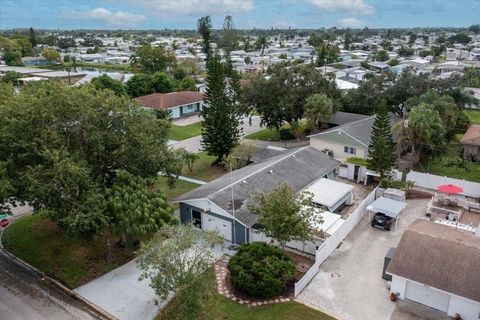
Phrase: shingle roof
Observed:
(361, 130)
(296, 168)
(440, 257)
(472, 136)
(168, 100)
(340, 118)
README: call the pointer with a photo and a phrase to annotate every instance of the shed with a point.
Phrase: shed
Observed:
(395, 194)
(331, 194)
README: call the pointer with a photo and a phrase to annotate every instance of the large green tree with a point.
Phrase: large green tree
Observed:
(319, 108)
(204, 27)
(152, 58)
(136, 210)
(282, 97)
(174, 261)
(63, 147)
(105, 82)
(286, 215)
(381, 150)
(221, 118)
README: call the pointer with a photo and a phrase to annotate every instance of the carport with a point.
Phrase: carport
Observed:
(389, 207)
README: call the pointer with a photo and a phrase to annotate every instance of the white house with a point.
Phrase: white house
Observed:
(437, 265)
(180, 104)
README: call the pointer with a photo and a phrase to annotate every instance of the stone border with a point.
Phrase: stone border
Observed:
(221, 272)
(42, 276)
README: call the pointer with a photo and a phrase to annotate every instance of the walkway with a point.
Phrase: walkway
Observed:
(121, 293)
(194, 144)
(192, 180)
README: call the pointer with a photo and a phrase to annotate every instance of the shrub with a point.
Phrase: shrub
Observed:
(260, 270)
(402, 185)
(458, 163)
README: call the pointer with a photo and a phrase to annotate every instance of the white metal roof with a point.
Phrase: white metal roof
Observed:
(328, 192)
(331, 221)
(390, 207)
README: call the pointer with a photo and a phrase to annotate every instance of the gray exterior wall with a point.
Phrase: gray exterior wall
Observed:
(240, 233)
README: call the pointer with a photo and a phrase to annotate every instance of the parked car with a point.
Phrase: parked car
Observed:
(4, 219)
(383, 221)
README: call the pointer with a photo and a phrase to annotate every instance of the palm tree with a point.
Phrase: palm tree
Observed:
(262, 43)
(319, 109)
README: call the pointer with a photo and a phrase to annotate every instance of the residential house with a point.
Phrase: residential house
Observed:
(180, 104)
(37, 61)
(471, 143)
(223, 204)
(347, 140)
(437, 265)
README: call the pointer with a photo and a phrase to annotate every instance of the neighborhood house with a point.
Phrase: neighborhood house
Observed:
(223, 204)
(179, 104)
(437, 265)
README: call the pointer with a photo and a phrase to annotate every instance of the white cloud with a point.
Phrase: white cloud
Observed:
(359, 7)
(196, 7)
(350, 23)
(114, 19)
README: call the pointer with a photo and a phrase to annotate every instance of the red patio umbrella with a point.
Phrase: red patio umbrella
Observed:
(450, 188)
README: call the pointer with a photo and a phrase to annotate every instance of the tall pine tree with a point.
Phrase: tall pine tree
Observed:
(381, 151)
(221, 118)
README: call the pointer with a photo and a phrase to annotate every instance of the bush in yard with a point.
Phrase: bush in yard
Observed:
(260, 270)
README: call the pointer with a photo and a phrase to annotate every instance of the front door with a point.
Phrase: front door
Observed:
(197, 218)
(181, 111)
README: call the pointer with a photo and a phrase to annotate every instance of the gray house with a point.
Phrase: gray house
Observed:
(210, 207)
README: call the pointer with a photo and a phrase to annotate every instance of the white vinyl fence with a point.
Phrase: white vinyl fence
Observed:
(431, 181)
(307, 246)
(332, 242)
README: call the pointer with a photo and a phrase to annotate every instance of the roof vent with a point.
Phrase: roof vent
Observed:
(293, 155)
(244, 181)
(271, 171)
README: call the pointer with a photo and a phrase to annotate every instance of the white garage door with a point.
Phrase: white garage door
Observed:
(427, 296)
(224, 227)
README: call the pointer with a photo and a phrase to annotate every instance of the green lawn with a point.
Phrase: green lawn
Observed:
(435, 166)
(43, 244)
(266, 134)
(203, 170)
(46, 246)
(217, 307)
(178, 133)
(474, 115)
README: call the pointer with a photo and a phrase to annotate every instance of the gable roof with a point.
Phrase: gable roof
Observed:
(169, 100)
(340, 118)
(440, 257)
(359, 130)
(296, 168)
(472, 136)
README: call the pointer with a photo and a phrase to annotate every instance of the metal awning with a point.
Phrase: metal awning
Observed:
(389, 207)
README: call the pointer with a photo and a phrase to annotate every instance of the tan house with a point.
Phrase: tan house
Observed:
(471, 142)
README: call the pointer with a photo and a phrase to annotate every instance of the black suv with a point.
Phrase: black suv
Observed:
(382, 221)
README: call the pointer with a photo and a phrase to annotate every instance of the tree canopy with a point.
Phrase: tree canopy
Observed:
(152, 58)
(63, 147)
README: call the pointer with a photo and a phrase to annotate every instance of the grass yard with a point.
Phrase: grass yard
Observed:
(202, 169)
(179, 188)
(46, 246)
(435, 166)
(178, 133)
(474, 115)
(217, 307)
(266, 134)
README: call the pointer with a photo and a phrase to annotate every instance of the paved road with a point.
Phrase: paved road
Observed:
(23, 296)
(194, 144)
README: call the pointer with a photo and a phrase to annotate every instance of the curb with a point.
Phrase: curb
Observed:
(41, 275)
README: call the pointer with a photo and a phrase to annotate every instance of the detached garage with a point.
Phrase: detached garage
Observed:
(438, 266)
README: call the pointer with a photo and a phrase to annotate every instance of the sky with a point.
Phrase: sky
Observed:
(247, 14)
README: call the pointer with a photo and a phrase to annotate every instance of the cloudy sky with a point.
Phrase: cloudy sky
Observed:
(247, 14)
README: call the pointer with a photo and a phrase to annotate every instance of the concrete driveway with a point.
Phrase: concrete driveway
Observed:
(349, 285)
(121, 293)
